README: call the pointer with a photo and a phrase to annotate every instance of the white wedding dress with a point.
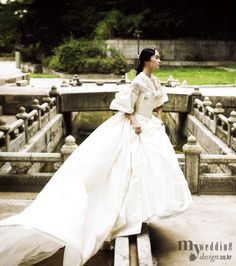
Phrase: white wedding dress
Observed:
(113, 181)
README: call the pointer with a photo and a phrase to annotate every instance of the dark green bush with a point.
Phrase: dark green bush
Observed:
(7, 44)
(117, 24)
(32, 53)
(87, 56)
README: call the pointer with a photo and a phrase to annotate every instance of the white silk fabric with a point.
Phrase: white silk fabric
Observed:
(113, 181)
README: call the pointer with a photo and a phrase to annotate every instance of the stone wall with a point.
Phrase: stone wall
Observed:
(180, 50)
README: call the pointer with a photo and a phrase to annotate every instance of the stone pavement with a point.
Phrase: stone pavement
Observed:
(12, 203)
(211, 220)
(8, 69)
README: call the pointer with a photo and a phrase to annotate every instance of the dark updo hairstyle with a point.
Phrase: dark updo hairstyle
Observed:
(144, 56)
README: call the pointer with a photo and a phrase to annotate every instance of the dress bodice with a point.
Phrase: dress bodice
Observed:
(141, 97)
(145, 103)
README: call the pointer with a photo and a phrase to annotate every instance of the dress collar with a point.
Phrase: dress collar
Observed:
(147, 83)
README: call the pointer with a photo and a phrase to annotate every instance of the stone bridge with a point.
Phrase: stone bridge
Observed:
(187, 113)
(208, 159)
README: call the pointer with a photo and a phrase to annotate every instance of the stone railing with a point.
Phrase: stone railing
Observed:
(215, 120)
(10, 132)
(19, 179)
(45, 110)
(201, 177)
(27, 123)
(201, 170)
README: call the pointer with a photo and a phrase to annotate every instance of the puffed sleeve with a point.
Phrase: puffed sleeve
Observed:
(125, 99)
(161, 98)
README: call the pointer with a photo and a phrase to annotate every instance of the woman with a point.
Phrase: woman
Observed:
(125, 173)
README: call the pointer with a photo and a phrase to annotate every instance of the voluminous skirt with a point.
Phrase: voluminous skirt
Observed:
(113, 181)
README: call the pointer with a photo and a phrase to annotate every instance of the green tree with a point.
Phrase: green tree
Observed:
(8, 28)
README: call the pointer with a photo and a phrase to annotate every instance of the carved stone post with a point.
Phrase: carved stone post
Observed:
(1, 135)
(54, 93)
(196, 93)
(17, 59)
(48, 101)
(123, 80)
(192, 163)
(77, 81)
(5, 128)
(69, 146)
(24, 116)
(37, 107)
(206, 102)
(231, 120)
(218, 110)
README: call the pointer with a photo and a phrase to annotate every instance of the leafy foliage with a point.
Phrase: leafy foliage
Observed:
(84, 56)
(8, 24)
(117, 24)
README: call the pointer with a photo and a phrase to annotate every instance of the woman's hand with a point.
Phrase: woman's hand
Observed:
(135, 124)
(137, 128)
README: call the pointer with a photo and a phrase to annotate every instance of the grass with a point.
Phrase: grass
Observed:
(42, 76)
(194, 75)
(232, 66)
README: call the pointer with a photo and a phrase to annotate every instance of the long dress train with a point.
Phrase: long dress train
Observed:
(113, 181)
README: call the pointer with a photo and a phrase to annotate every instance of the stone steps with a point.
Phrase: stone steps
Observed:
(134, 250)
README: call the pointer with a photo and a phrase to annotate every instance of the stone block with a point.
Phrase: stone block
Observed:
(22, 83)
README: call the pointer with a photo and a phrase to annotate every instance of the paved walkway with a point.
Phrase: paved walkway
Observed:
(210, 221)
(8, 69)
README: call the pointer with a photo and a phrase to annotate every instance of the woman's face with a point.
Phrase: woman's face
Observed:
(154, 62)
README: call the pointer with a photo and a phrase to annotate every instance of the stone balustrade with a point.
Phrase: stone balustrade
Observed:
(43, 112)
(197, 174)
(27, 123)
(11, 131)
(215, 120)
(66, 150)
(20, 179)
(194, 164)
